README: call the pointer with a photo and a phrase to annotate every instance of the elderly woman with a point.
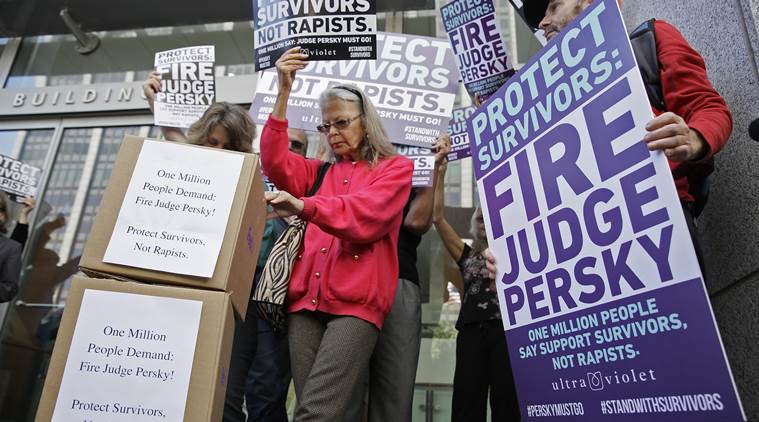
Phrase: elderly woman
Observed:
(344, 282)
(482, 358)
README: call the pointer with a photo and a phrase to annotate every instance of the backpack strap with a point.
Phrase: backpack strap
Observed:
(319, 178)
(643, 40)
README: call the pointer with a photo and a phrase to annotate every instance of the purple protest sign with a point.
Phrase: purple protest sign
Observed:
(413, 84)
(459, 136)
(326, 30)
(480, 53)
(605, 310)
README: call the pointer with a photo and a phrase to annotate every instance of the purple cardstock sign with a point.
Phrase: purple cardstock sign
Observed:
(473, 29)
(412, 84)
(604, 307)
(459, 136)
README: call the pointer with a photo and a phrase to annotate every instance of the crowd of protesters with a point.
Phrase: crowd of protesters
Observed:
(352, 339)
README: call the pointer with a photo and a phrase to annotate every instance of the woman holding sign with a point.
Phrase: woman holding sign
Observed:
(482, 358)
(344, 280)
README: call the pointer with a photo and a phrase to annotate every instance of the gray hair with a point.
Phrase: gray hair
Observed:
(376, 144)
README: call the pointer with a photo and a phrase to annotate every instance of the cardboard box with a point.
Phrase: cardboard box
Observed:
(209, 366)
(237, 258)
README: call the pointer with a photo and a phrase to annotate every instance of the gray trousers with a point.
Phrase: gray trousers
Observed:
(328, 355)
(392, 370)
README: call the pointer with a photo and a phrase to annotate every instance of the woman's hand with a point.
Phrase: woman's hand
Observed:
(283, 203)
(151, 86)
(29, 204)
(289, 63)
(490, 263)
(442, 148)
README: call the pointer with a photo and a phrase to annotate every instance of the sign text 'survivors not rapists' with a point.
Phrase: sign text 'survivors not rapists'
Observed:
(481, 56)
(604, 306)
(323, 29)
(188, 86)
(175, 210)
(130, 359)
(412, 83)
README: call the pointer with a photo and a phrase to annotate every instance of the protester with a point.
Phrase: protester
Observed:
(222, 126)
(392, 368)
(482, 358)
(344, 282)
(696, 123)
(269, 375)
(10, 255)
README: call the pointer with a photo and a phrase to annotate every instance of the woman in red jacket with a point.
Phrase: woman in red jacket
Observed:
(344, 281)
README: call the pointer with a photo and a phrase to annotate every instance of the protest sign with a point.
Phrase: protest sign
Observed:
(175, 212)
(130, 358)
(476, 39)
(323, 29)
(188, 86)
(459, 135)
(605, 310)
(424, 164)
(412, 84)
(18, 179)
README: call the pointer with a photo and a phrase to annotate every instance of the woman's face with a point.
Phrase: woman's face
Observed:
(344, 142)
(218, 138)
(480, 221)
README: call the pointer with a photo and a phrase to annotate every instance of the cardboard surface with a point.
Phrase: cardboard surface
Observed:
(205, 398)
(239, 251)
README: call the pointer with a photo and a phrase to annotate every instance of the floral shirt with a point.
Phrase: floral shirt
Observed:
(480, 301)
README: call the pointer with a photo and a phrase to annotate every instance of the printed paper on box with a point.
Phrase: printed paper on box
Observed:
(130, 359)
(175, 210)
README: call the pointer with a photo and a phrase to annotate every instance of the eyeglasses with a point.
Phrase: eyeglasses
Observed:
(339, 125)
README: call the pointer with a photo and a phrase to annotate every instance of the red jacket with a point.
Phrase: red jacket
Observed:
(689, 94)
(349, 258)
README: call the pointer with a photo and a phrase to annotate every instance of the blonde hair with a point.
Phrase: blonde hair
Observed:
(231, 117)
(375, 144)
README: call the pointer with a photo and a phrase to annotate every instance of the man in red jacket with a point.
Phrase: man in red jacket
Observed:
(697, 122)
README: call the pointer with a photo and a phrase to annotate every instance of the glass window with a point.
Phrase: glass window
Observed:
(125, 56)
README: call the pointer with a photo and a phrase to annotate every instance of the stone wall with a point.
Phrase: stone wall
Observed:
(725, 33)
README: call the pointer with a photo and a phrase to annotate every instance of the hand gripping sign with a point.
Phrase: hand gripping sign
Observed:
(605, 310)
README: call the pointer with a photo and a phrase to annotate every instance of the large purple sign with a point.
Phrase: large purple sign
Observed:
(480, 53)
(459, 135)
(605, 310)
(413, 84)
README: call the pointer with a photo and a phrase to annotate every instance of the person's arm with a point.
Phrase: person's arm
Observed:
(448, 235)
(150, 87)
(288, 171)
(9, 272)
(698, 122)
(364, 216)
(419, 217)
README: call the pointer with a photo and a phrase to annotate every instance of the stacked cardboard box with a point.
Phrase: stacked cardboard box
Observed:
(141, 341)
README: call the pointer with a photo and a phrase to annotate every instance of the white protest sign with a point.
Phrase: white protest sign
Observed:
(424, 164)
(17, 178)
(188, 86)
(130, 359)
(175, 209)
